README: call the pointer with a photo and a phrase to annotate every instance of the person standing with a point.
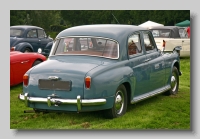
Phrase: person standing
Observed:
(188, 31)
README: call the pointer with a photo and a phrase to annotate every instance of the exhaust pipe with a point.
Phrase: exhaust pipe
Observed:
(29, 111)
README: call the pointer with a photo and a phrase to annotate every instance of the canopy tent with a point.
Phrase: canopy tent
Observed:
(150, 24)
(185, 23)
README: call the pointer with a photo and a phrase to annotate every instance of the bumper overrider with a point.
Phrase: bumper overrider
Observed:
(58, 101)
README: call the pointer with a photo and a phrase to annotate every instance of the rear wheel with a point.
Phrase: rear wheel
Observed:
(174, 83)
(36, 62)
(120, 103)
(27, 50)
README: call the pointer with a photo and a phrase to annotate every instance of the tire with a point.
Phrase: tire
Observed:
(27, 50)
(120, 104)
(174, 82)
(36, 63)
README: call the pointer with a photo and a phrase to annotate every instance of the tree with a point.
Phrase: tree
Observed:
(44, 18)
(17, 17)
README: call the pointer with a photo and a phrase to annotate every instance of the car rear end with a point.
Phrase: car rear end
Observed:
(61, 83)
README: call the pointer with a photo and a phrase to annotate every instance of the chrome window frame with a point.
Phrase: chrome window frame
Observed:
(56, 44)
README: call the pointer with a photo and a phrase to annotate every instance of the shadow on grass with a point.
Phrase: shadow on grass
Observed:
(16, 86)
(148, 101)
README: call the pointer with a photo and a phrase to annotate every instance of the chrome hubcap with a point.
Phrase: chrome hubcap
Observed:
(119, 102)
(173, 82)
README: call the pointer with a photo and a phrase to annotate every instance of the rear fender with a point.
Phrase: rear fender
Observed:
(176, 64)
(106, 83)
(47, 49)
(49, 45)
(21, 46)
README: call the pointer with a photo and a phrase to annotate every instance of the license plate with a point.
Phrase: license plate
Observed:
(54, 85)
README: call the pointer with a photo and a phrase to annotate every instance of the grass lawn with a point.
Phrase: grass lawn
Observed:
(159, 112)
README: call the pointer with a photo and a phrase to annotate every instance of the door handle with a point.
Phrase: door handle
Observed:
(24, 61)
(147, 60)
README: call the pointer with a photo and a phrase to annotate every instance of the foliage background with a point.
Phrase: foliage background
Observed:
(54, 21)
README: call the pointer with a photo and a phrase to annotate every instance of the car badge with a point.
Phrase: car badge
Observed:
(53, 78)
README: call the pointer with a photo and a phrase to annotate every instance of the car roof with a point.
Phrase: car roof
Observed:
(113, 31)
(164, 27)
(174, 29)
(25, 27)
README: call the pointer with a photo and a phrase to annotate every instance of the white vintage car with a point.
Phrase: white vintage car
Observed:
(167, 37)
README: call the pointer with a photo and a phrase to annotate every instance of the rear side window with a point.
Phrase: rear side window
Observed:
(32, 33)
(134, 45)
(183, 33)
(161, 33)
(148, 43)
(41, 34)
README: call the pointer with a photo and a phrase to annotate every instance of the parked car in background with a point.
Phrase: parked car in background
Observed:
(183, 32)
(25, 38)
(173, 36)
(20, 63)
(101, 67)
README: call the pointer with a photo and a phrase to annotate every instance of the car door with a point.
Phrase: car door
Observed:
(32, 38)
(12, 79)
(137, 61)
(156, 66)
(43, 40)
(186, 46)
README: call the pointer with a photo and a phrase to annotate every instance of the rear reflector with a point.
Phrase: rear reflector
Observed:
(25, 79)
(87, 82)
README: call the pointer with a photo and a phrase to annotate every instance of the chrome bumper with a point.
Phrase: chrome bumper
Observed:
(57, 101)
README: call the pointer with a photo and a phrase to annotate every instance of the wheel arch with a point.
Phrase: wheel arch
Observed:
(177, 65)
(128, 91)
(38, 59)
(22, 46)
(49, 45)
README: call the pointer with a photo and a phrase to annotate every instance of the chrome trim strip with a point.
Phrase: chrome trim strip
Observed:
(53, 78)
(86, 37)
(53, 101)
(150, 94)
(84, 55)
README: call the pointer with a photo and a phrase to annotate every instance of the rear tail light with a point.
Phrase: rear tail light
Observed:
(12, 49)
(87, 82)
(164, 43)
(25, 79)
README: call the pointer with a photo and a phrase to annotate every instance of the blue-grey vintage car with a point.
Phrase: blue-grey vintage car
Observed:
(25, 38)
(101, 67)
